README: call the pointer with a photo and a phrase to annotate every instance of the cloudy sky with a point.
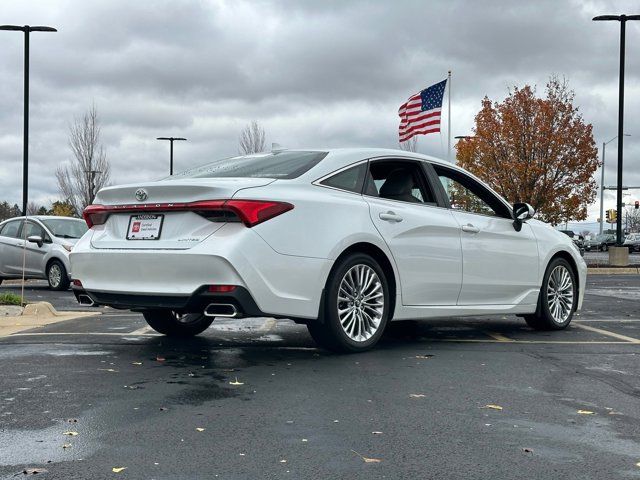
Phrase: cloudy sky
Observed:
(313, 73)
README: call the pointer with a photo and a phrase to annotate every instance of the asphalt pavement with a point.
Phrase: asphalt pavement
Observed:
(475, 398)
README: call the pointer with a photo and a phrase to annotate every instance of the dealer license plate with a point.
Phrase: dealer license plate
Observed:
(145, 227)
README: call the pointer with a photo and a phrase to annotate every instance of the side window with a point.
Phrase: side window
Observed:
(350, 179)
(399, 180)
(11, 229)
(466, 194)
(30, 229)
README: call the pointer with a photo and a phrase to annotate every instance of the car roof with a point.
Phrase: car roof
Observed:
(42, 217)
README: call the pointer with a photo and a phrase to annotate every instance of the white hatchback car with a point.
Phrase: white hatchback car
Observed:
(341, 240)
(42, 243)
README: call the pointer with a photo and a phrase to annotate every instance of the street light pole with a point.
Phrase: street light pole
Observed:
(171, 140)
(602, 188)
(25, 142)
(623, 23)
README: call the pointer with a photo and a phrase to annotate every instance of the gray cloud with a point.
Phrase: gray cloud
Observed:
(329, 73)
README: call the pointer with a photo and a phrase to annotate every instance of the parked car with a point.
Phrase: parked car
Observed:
(341, 240)
(632, 241)
(601, 243)
(577, 239)
(40, 243)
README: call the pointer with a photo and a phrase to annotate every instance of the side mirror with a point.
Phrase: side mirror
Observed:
(35, 239)
(521, 213)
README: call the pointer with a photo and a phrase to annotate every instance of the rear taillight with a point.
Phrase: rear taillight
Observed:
(95, 215)
(253, 212)
(250, 212)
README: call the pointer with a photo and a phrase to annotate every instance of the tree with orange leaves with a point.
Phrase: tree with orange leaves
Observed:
(535, 150)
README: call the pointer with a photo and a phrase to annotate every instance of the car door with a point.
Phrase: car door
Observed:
(11, 248)
(423, 237)
(34, 255)
(500, 265)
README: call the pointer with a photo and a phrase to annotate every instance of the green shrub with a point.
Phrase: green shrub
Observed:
(9, 299)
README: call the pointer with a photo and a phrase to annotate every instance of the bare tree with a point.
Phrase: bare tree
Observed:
(32, 208)
(89, 170)
(252, 139)
(410, 145)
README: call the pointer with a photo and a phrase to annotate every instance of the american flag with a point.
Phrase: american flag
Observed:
(421, 113)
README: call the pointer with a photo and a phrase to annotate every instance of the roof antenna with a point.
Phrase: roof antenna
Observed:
(277, 148)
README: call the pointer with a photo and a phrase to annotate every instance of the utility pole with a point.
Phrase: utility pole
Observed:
(25, 142)
(602, 187)
(623, 19)
(171, 140)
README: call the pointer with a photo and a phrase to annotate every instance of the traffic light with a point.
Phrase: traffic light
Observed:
(637, 204)
(608, 213)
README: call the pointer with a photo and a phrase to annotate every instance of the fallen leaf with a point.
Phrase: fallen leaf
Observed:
(200, 429)
(586, 412)
(108, 370)
(136, 363)
(33, 471)
(417, 395)
(163, 409)
(527, 450)
(118, 469)
(423, 357)
(71, 434)
(236, 382)
(492, 406)
(377, 433)
(367, 459)
(305, 440)
(283, 461)
(66, 445)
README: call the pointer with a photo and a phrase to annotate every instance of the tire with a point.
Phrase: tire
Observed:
(57, 276)
(361, 323)
(172, 324)
(549, 317)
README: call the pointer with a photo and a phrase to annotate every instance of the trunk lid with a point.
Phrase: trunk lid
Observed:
(177, 229)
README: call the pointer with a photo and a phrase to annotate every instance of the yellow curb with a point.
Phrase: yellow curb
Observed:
(613, 271)
(37, 315)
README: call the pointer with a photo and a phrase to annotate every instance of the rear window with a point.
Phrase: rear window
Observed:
(285, 165)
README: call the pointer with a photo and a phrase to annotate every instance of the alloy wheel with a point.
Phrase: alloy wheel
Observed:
(55, 275)
(360, 302)
(560, 294)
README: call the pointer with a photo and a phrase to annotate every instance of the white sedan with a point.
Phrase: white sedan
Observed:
(341, 240)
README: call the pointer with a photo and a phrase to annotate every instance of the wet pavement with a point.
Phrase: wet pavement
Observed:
(256, 399)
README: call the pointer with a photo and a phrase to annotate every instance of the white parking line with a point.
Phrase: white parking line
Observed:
(606, 333)
(141, 331)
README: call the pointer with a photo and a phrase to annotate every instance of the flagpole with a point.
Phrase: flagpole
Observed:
(449, 117)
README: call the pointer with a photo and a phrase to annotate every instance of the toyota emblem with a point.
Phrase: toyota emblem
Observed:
(141, 195)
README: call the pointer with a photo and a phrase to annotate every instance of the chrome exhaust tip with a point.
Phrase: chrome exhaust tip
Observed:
(84, 299)
(221, 310)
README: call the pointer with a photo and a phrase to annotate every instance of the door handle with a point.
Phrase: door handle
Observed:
(390, 217)
(470, 228)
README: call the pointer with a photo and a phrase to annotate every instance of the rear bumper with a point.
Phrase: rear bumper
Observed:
(194, 303)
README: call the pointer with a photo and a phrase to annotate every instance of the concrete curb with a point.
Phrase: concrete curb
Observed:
(613, 270)
(36, 315)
